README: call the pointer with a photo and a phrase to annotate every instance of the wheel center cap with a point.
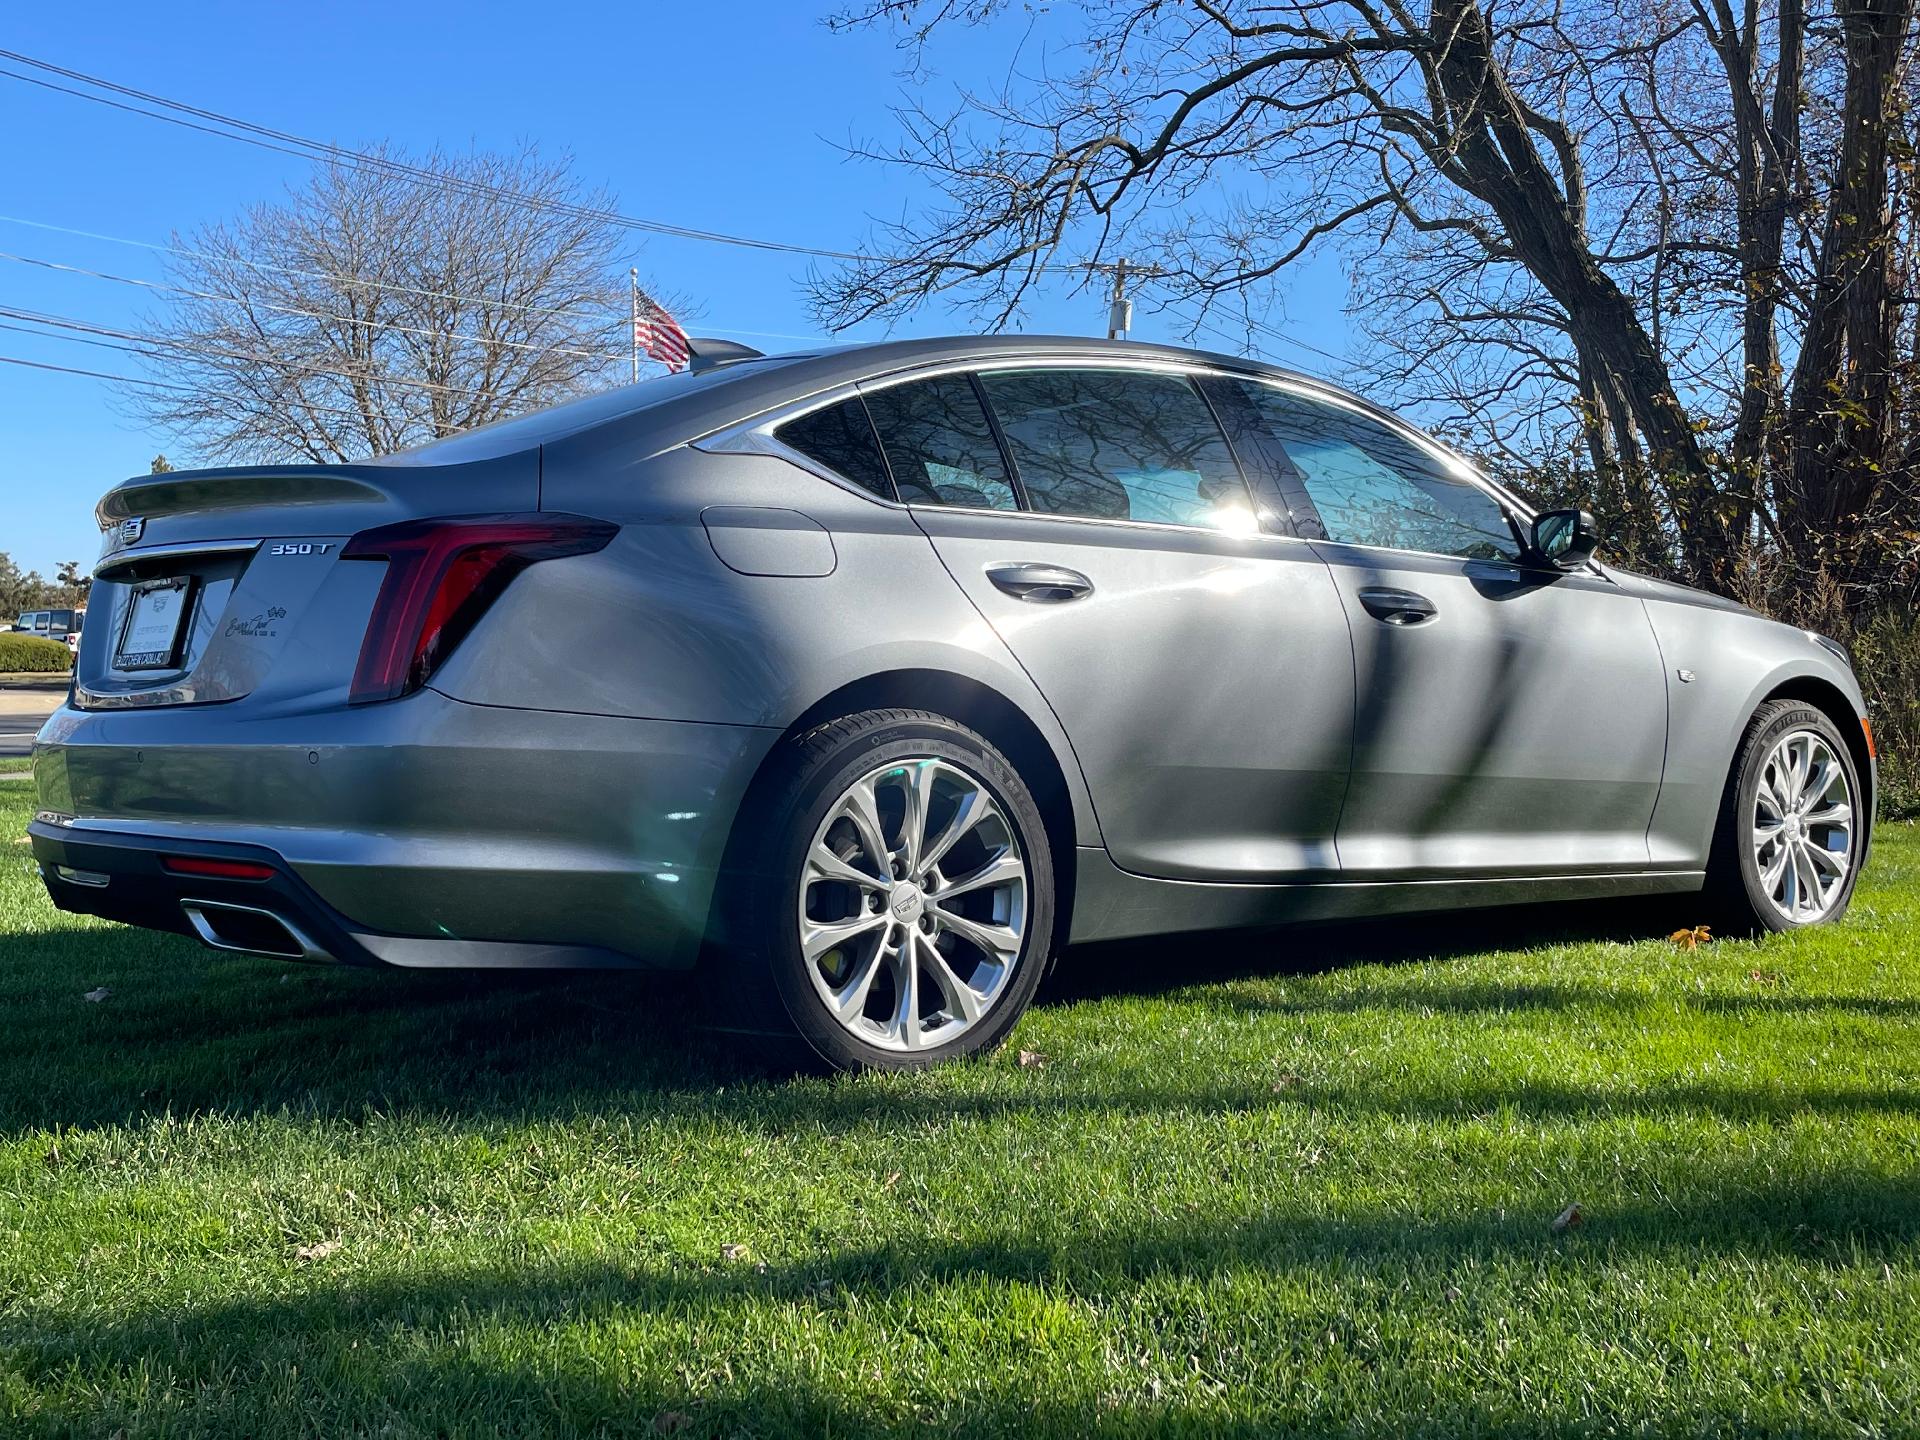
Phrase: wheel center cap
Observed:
(1793, 826)
(906, 902)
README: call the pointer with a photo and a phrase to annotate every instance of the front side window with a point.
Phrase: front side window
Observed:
(939, 445)
(1117, 445)
(1373, 486)
(841, 438)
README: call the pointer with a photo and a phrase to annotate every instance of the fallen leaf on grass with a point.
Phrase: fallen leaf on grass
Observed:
(1570, 1218)
(94, 997)
(893, 1179)
(733, 1252)
(1764, 977)
(1285, 1082)
(319, 1250)
(1692, 939)
(1032, 1060)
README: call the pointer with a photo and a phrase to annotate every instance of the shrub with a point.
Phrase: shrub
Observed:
(35, 654)
(1886, 656)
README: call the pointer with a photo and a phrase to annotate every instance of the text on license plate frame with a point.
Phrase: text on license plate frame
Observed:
(156, 611)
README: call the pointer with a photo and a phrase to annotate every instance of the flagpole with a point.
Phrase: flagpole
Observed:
(633, 329)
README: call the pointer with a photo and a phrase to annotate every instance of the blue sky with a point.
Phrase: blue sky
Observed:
(723, 117)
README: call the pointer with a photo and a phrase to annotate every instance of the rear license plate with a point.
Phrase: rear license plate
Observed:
(156, 618)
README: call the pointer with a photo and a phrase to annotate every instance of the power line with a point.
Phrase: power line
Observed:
(395, 326)
(160, 384)
(214, 352)
(209, 122)
(194, 117)
(345, 278)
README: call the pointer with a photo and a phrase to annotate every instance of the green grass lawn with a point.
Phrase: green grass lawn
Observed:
(1296, 1184)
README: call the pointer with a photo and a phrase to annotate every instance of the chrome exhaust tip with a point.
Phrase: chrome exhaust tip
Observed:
(249, 930)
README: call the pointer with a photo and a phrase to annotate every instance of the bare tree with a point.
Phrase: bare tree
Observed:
(371, 311)
(1646, 239)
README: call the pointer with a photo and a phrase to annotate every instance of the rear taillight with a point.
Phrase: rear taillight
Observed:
(441, 577)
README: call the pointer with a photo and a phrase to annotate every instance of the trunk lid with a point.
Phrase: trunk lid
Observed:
(213, 585)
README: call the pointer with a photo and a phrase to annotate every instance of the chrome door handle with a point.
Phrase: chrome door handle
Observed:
(1041, 584)
(1397, 607)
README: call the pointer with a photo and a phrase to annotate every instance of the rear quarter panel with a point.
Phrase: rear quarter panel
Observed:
(658, 626)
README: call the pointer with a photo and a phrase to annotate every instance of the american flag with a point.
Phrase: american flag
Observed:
(660, 336)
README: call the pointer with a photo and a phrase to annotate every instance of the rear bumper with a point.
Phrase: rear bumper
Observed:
(120, 877)
(421, 832)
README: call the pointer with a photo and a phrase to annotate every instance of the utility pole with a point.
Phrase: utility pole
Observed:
(633, 329)
(1120, 310)
(1120, 313)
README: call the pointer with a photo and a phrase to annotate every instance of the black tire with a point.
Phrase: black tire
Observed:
(1734, 884)
(760, 980)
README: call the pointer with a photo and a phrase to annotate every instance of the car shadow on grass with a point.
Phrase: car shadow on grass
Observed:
(186, 1033)
(1166, 963)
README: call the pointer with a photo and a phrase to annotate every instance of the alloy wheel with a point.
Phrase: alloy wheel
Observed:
(913, 904)
(1803, 827)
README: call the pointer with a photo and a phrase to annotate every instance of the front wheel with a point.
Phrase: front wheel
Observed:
(1787, 851)
(897, 903)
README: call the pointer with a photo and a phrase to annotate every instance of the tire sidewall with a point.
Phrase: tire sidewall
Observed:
(1766, 733)
(816, 785)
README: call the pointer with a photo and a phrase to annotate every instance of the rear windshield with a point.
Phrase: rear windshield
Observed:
(543, 427)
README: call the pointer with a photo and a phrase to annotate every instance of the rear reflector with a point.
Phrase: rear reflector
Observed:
(441, 577)
(212, 869)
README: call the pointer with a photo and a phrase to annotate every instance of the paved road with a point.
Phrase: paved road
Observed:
(22, 713)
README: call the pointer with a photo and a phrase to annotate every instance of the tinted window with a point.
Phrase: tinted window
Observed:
(1374, 487)
(840, 437)
(939, 444)
(1117, 445)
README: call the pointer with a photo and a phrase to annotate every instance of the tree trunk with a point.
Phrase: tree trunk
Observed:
(1841, 417)
(1497, 155)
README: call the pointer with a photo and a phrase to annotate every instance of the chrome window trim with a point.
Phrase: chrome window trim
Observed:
(754, 435)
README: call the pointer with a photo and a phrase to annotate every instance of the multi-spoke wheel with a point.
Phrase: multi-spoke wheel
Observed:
(1791, 831)
(913, 904)
(915, 881)
(1803, 826)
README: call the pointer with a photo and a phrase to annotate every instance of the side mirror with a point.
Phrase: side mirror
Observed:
(1564, 539)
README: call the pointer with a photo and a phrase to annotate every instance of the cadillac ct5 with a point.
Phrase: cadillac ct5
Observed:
(866, 681)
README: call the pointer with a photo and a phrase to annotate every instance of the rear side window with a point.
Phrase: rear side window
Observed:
(1375, 487)
(841, 438)
(939, 446)
(1117, 445)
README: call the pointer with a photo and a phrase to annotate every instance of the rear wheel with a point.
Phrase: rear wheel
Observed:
(896, 901)
(1787, 851)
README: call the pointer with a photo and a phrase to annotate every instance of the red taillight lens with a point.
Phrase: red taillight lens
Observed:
(211, 869)
(441, 577)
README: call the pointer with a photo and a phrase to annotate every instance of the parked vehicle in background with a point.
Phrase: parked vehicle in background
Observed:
(57, 624)
(867, 680)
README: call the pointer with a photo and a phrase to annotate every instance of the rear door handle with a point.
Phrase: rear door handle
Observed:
(1041, 584)
(1397, 607)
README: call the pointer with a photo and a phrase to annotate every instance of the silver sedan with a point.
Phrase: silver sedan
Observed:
(868, 680)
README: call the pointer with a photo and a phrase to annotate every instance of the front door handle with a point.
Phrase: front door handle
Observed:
(1397, 607)
(1041, 584)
